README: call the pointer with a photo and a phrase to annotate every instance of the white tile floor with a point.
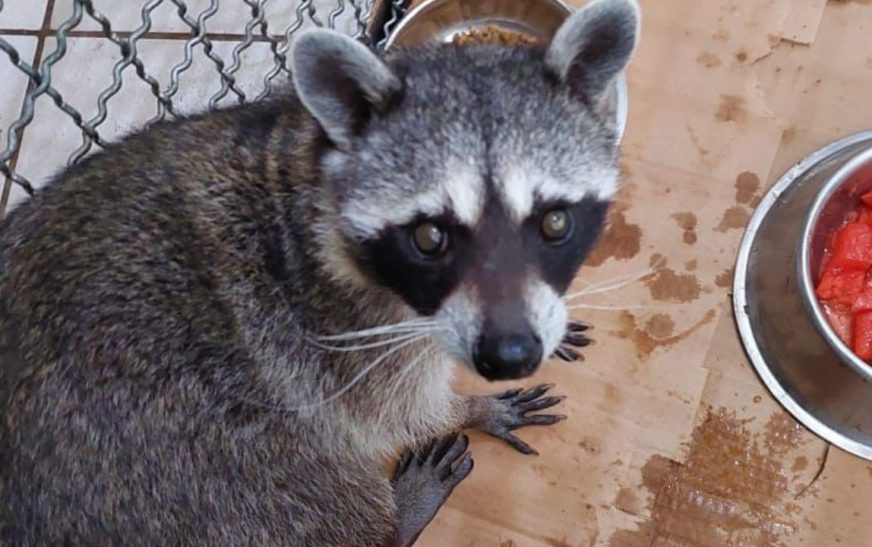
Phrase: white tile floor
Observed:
(85, 71)
(22, 14)
(230, 18)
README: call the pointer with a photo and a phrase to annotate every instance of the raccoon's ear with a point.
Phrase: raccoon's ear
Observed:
(594, 45)
(340, 82)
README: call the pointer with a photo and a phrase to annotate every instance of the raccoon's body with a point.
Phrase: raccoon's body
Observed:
(216, 331)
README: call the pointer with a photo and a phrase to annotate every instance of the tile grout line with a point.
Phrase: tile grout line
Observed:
(37, 59)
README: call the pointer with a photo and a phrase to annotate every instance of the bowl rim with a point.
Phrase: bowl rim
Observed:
(806, 276)
(741, 303)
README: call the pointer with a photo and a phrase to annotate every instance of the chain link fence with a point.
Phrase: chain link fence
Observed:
(93, 70)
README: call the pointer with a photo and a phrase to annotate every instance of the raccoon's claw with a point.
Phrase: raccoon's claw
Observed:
(574, 339)
(578, 326)
(568, 355)
(423, 480)
(577, 340)
(511, 410)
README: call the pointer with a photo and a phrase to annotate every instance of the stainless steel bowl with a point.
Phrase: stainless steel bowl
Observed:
(799, 357)
(441, 20)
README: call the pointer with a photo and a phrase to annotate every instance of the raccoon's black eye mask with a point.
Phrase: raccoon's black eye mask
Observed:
(558, 259)
(425, 260)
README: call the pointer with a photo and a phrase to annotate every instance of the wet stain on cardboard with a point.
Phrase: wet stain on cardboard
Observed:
(724, 280)
(688, 222)
(694, 139)
(667, 285)
(628, 502)
(709, 60)
(660, 326)
(730, 490)
(622, 240)
(789, 135)
(735, 218)
(799, 464)
(612, 394)
(731, 109)
(747, 186)
(590, 445)
(691, 265)
(646, 342)
(742, 56)
(781, 434)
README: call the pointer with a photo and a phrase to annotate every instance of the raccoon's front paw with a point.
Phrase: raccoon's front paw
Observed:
(503, 413)
(575, 338)
(424, 480)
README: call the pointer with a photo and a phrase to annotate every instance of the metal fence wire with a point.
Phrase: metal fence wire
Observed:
(239, 46)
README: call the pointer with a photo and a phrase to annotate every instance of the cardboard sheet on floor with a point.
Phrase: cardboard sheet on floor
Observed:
(671, 438)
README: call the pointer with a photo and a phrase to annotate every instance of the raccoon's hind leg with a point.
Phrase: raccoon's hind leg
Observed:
(499, 415)
(423, 481)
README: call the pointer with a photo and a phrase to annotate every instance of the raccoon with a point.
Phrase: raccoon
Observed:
(220, 331)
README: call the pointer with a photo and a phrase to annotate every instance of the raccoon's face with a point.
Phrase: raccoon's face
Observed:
(473, 181)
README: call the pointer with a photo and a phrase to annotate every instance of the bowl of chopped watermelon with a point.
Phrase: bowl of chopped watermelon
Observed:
(802, 293)
(843, 263)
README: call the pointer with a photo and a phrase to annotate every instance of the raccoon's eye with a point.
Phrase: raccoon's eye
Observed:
(556, 225)
(430, 239)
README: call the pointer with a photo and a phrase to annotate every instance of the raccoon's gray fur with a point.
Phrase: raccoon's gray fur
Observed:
(183, 317)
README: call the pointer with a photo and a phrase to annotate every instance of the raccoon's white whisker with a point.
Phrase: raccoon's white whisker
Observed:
(612, 284)
(356, 379)
(372, 345)
(382, 329)
(402, 376)
(620, 280)
(609, 308)
(359, 376)
(386, 332)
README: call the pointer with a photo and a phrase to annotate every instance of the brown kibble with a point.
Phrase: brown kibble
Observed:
(493, 34)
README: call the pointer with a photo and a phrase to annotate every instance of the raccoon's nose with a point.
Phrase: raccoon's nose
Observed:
(508, 356)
